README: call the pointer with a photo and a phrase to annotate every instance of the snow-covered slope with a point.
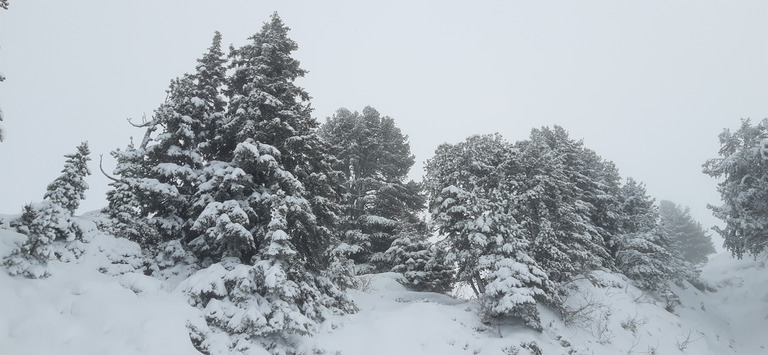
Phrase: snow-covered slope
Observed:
(101, 305)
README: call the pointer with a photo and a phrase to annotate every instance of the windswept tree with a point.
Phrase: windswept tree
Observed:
(379, 204)
(743, 170)
(685, 233)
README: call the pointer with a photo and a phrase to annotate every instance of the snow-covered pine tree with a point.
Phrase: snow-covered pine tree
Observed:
(154, 198)
(51, 220)
(378, 202)
(555, 204)
(471, 187)
(421, 262)
(270, 215)
(644, 251)
(68, 189)
(686, 234)
(743, 189)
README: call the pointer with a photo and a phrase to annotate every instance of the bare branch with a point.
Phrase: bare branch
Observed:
(101, 167)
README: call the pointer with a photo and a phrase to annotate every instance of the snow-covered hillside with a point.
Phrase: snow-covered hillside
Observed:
(100, 303)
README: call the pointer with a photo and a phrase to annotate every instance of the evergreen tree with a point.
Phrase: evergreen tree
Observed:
(378, 204)
(154, 199)
(743, 189)
(422, 263)
(269, 195)
(644, 253)
(51, 220)
(68, 189)
(472, 187)
(562, 184)
(686, 234)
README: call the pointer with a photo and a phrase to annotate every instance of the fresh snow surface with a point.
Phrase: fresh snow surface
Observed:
(100, 304)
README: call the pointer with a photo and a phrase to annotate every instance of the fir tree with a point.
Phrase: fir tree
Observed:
(471, 187)
(422, 263)
(556, 200)
(154, 198)
(743, 189)
(686, 234)
(644, 252)
(51, 220)
(378, 202)
(269, 195)
(68, 189)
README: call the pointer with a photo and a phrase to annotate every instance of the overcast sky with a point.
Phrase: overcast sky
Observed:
(648, 85)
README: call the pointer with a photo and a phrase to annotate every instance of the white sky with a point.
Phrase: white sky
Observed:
(648, 85)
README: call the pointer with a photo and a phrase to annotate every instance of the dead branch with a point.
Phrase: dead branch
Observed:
(101, 167)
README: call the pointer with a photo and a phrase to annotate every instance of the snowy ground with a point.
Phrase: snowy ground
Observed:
(100, 305)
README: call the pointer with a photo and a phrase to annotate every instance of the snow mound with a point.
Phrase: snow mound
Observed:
(103, 303)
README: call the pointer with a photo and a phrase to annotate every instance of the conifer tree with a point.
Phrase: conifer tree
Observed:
(269, 195)
(645, 253)
(50, 220)
(472, 187)
(743, 188)
(154, 198)
(378, 203)
(556, 203)
(68, 189)
(686, 234)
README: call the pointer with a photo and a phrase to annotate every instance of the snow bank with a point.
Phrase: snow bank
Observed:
(104, 304)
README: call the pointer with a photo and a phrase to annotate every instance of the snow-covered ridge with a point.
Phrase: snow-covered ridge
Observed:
(101, 303)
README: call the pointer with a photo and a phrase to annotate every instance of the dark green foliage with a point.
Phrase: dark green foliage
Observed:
(422, 263)
(743, 170)
(241, 180)
(472, 188)
(153, 201)
(565, 203)
(378, 203)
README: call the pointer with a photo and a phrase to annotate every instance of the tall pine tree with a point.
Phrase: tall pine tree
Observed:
(472, 187)
(562, 186)
(378, 204)
(270, 197)
(153, 200)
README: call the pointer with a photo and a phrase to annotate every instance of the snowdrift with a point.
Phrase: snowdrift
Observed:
(102, 303)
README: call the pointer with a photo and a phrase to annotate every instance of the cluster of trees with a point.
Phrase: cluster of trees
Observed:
(232, 169)
(519, 220)
(277, 212)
